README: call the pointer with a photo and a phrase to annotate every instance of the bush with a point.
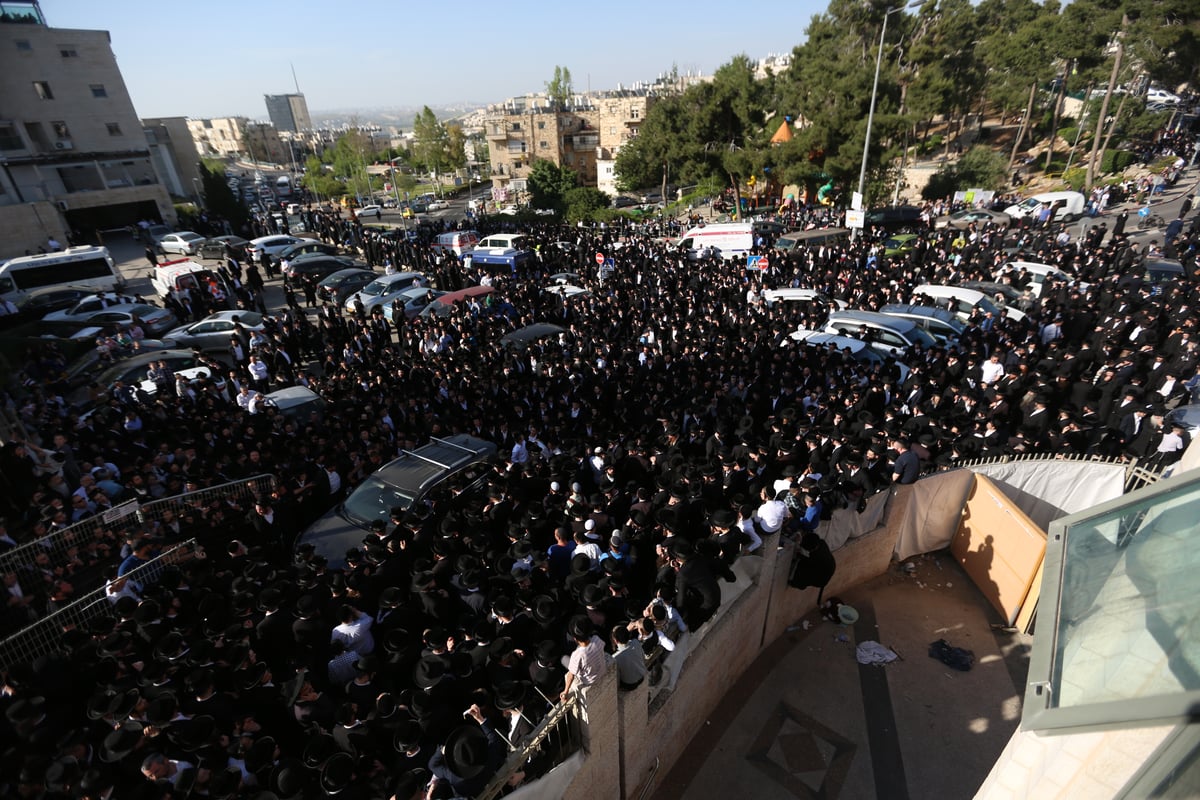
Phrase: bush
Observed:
(1075, 178)
(1116, 161)
(930, 145)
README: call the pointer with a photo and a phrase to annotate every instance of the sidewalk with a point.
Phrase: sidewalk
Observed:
(808, 721)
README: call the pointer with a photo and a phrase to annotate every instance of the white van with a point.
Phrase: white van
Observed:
(1068, 206)
(501, 244)
(1038, 274)
(962, 302)
(728, 240)
(456, 242)
(175, 278)
(84, 266)
(887, 334)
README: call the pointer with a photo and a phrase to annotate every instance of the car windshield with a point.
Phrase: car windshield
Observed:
(376, 288)
(373, 500)
(922, 337)
(250, 318)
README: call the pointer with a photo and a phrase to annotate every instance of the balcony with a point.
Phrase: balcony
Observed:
(583, 143)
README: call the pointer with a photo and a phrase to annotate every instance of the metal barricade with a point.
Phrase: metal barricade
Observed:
(1137, 474)
(45, 635)
(556, 738)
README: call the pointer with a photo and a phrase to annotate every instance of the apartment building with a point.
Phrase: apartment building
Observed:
(219, 136)
(173, 151)
(288, 112)
(74, 160)
(585, 135)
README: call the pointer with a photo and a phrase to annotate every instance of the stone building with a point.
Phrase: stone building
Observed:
(219, 136)
(73, 153)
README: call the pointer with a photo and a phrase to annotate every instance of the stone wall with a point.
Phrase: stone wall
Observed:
(27, 226)
(632, 741)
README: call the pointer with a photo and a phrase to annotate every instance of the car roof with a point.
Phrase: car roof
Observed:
(872, 318)
(348, 271)
(463, 294)
(530, 333)
(416, 470)
(920, 311)
(821, 339)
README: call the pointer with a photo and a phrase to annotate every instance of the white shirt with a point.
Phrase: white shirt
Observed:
(992, 371)
(258, 370)
(355, 635)
(770, 515)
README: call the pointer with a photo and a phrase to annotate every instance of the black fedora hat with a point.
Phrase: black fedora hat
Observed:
(511, 694)
(121, 742)
(318, 750)
(408, 735)
(466, 751)
(289, 778)
(337, 773)
(429, 672)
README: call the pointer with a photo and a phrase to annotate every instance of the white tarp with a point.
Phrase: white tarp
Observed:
(847, 523)
(1047, 490)
(933, 512)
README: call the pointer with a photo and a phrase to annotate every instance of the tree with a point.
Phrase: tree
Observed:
(219, 199)
(456, 147)
(549, 184)
(559, 89)
(430, 140)
(583, 203)
(979, 168)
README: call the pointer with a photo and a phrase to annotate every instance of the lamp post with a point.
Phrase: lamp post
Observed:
(862, 173)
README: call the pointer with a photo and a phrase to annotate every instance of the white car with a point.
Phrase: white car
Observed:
(368, 211)
(272, 245)
(437, 205)
(90, 305)
(184, 243)
(1162, 96)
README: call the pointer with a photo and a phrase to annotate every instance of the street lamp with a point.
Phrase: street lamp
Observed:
(862, 173)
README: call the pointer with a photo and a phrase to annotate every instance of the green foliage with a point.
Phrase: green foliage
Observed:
(215, 165)
(431, 142)
(1116, 161)
(549, 184)
(219, 199)
(559, 89)
(583, 202)
(978, 168)
(1141, 124)
(1075, 178)
(931, 145)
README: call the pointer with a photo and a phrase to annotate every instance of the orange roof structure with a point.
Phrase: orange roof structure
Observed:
(784, 134)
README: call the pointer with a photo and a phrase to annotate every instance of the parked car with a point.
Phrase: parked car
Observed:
(977, 216)
(437, 205)
(413, 301)
(308, 247)
(89, 304)
(218, 246)
(184, 243)
(402, 484)
(134, 371)
(368, 211)
(899, 245)
(272, 245)
(894, 219)
(152, 320)
(383, 290)
(343, 283)
(320, 266)
(212, 333)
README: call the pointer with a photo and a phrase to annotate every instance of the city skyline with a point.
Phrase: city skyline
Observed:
(163, 49)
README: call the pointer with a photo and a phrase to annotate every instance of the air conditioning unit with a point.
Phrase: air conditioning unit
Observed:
(64, 144)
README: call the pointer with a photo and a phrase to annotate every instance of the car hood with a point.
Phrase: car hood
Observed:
(175, 333)
(332, 535)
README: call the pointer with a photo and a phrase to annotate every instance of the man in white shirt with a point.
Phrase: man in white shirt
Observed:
(992, 370)
(771, 515)
(259, 373)
(354, 631)
(587, 662)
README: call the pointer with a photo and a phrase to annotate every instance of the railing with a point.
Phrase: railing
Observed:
(1136, 475)
(46, 635)
(555, 738)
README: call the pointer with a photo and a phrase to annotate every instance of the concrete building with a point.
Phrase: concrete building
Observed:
(220, 136)
(288, 112)
(73, 154)
(173, 151)
(262, 143)
(585, 135)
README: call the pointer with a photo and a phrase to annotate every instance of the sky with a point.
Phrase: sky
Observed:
(218, 58)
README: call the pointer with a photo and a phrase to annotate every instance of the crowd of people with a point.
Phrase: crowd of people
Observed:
(674, 427)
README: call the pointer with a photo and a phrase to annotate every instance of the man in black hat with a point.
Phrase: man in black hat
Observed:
(696, 584)
(470, 757)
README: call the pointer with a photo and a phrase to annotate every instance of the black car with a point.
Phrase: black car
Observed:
(220, 246)
(403, 485)
(894, 219)
(319, 266)
(343, 283)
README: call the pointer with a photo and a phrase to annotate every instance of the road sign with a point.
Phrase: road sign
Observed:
(855, 219)
(600, 259)
(757, 262)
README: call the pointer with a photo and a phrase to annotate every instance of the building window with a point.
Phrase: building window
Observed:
(98, 90)
(23, 45)
(43, 90)
(634, 113)
(541, 125)
(67, 51)
(113, 128)
(612, 130)
(61, 131)
(516, 126)
(544, 144)
(9, 138)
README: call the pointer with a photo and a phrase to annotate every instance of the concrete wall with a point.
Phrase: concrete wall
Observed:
(27, 226)
(632, 741)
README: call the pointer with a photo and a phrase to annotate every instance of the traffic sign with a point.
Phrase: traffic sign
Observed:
(855, 219)
(600, 259)
(757, 262)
